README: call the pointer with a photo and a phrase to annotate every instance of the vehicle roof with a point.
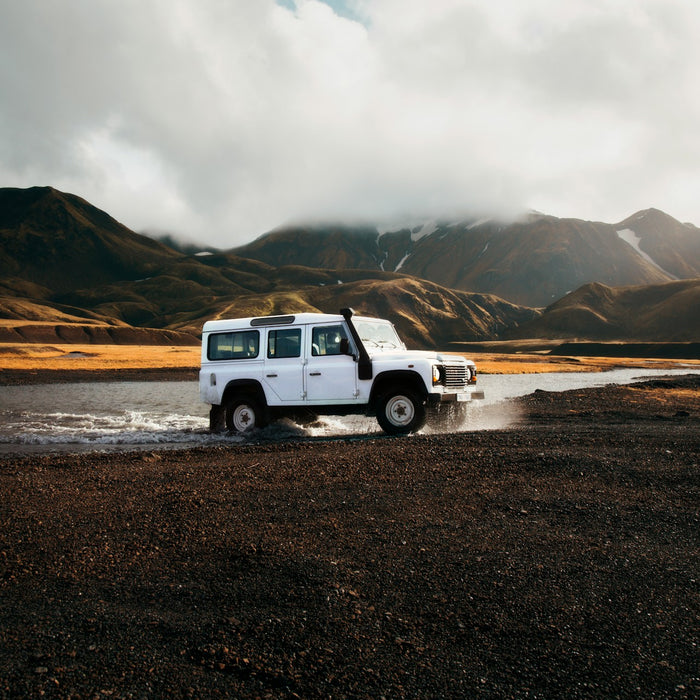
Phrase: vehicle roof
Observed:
(277, 321)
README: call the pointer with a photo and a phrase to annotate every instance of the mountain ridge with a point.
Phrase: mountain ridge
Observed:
(41, 227)
(636, 313)
(66, 265)
(104, 280)
(533, 261)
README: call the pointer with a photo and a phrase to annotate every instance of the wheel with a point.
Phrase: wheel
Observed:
(244, 414)
(401, 412)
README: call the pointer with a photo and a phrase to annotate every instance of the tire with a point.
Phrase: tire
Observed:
(401, 412)
(244, 414)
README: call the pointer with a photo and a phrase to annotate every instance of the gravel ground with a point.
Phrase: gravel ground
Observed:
(556, 559)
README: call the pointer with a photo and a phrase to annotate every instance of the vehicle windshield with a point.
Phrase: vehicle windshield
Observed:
(378, 334)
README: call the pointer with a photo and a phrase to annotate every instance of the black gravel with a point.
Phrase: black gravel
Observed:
(556, 559)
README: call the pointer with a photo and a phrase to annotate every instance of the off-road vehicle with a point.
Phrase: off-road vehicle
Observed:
(255, 370)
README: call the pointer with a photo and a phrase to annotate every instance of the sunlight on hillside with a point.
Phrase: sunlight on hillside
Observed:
(29, 356)
(58, 356)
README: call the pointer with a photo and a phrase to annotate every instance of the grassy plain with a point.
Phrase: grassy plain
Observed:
(95, 358)
(67, 357)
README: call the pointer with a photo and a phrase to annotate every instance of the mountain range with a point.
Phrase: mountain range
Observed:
(69, 271)
(533, 261)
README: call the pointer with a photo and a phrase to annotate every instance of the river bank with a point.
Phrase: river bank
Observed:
(557, 558)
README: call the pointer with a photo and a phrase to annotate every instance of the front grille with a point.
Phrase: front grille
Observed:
(456, 376)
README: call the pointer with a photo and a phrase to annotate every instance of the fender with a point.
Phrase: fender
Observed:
(248, 386)
(393, 378)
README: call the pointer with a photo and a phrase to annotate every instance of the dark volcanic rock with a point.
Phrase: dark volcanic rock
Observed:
(555, 559)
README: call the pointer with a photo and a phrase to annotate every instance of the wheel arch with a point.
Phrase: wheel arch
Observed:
(395, 379)
(249, 387)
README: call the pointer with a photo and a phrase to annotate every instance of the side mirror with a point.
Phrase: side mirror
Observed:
(345, 346)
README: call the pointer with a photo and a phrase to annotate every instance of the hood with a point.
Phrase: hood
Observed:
(429, 355)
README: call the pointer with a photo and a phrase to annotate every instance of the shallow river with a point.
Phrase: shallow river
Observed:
(137, 415)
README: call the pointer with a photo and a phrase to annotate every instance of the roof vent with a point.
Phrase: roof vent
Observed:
(272, 321)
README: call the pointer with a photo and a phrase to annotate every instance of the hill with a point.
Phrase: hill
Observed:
(667, 312)
(533, 262)
(55, 240)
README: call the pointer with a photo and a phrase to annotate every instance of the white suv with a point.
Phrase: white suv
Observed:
(257, 369)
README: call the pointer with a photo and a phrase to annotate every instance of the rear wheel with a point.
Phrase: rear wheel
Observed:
(401, 412)
(244, 414)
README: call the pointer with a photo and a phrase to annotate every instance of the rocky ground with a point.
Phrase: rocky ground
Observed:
(558, 558)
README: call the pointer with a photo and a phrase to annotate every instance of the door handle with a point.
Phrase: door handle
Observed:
(270, 375)
(314, 374)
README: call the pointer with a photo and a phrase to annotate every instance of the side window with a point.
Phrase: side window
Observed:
(284, 343)
(238, 345)
(325, 340)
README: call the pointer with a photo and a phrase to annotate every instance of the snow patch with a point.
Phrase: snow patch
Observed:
(480, 222)
(632, 239)
(402, 261)
(412, 225)
(425, 230)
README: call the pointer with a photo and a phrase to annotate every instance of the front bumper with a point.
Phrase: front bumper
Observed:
(459, 397)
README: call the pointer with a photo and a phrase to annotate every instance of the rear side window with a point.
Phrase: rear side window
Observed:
(237, 345)
(284, 343)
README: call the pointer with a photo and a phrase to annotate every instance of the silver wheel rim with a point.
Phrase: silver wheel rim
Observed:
(400, 411)
(243, 418)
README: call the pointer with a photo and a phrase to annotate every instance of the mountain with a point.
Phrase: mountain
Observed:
(55, 240)
(533, 262)
(425, 314)
(667, 312)
(669, 245)
(70, 272)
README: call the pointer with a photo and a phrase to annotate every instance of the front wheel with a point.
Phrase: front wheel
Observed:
(244, 414)
(401, 412)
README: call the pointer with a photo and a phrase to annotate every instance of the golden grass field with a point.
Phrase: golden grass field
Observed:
(67, 357)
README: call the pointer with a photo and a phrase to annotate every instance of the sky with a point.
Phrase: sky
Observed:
(218, 120)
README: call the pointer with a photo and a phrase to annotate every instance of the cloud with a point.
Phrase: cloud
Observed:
(219, 120)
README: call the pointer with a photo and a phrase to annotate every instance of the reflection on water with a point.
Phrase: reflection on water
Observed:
(120, 415)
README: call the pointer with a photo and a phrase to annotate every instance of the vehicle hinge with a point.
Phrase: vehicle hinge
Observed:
(356, 393)
(303, 394)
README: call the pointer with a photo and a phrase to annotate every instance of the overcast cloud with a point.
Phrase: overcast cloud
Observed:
(218, 120)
